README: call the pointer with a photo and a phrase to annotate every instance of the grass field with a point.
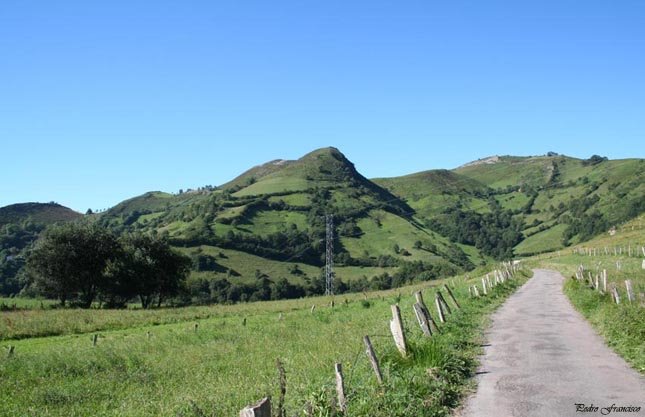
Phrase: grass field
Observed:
(7, 303)
(226, 364)
(547, 240)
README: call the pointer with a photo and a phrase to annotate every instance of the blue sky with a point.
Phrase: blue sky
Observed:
(101, 101)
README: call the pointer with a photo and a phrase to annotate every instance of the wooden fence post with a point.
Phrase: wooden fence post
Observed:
(614, 291)
(373, 359)
(396, 327)
(422, 319)
(484, 286)
(95, 338)
(630, 290)
(443, 301)
(604, 281)
(476, 290)
(261, 409)
(442, 317)
(419, 297)
(12, 348)
(340, 388)
(452, 295)
(313, 307)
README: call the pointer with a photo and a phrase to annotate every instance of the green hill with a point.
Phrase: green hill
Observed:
(554, 200)
(269, 222)
(42, 213)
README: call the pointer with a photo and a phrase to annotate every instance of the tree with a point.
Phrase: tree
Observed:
(153, 269)
(69, 261)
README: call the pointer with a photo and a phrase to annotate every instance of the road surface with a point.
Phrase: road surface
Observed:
(542, 358)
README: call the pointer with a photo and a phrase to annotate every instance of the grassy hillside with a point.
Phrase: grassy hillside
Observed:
(272, 217)
(430, 192)
(556, 199)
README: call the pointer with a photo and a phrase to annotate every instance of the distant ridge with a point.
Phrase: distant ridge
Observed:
(488, 160)
(43, 213)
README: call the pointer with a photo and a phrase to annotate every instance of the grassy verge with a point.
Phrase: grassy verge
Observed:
(434, 379)
(621, 325)
(173, 370)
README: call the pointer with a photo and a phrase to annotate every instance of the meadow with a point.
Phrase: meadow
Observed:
(212, 361)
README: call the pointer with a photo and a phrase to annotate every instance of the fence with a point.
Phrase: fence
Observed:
(425, 321)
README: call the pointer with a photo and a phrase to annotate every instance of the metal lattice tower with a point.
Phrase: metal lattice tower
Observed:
(329, 255)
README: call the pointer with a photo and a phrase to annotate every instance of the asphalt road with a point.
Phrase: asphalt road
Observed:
(542, 358)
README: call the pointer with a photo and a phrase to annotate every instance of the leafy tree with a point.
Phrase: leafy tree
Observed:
(594, 160)
(69, 261)
(152, 269)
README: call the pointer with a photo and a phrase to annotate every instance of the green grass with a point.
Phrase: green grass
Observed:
(622, 325)
(225, 365)
(277, 184)
(295, 199)
(244, 266)
(513, 201)
(548, 240)
(509, 171)
(381, 231)
(16, 303)
(267, 222)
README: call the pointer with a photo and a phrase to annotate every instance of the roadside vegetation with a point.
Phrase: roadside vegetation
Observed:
(621, 325)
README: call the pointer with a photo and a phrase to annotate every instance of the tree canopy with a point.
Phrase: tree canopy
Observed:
(82, 262)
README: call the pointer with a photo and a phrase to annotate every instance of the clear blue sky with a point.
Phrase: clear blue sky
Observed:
(102, 101)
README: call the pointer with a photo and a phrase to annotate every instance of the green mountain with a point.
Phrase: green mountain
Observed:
(555, 200)
(269, 222)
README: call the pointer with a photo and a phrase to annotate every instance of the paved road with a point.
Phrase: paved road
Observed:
(542, 358)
